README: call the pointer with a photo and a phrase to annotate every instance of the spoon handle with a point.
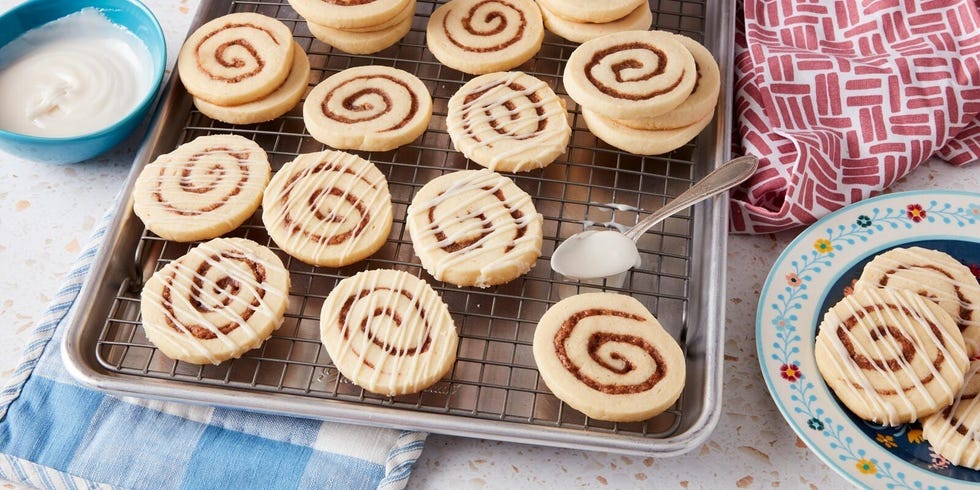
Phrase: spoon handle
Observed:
(719, 180)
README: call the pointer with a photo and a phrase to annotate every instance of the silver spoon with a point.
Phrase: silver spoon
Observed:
(593, 254)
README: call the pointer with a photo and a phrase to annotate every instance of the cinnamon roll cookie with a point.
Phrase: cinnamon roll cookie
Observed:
(631, 75)
(370, 39)
(608, 357)
(579, 32)
(369, 108)
(388, 332)
(348, 14)
(474, 228)
(328, 209)
(484, 36)
(277, 103)
(954, 432)
(508, 121)
(236, 58)
(203, 189)
(641, 141)
(220, 300)
(890, 355)
(591, 10)
(934, 275)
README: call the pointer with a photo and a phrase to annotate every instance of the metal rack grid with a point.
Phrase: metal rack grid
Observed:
(494, 377)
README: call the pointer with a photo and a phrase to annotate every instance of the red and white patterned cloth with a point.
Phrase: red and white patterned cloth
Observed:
(840, 99)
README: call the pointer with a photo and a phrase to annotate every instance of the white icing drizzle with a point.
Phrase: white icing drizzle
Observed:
(518, 138)
(926, 348)
(308, 181)
(183, 274)
(959, 448)
(390, 369)
(473, 187)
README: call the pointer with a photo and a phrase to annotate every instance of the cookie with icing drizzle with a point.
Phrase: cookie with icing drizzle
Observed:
(329, 208)
(954, 432)
(579, 32)
(484, 36)
(608, 357)
(220, 300)
(236, 58)
(279, 102)
(388, 332)
(591, 10)
(203, 189)
(935, 275)
(890, 355)
(369, 108)
(474, 228)
(631, 75)
(349, 14)
(508, 121)
(367, 40)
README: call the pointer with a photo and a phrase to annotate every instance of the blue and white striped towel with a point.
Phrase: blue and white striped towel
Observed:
(55, 433)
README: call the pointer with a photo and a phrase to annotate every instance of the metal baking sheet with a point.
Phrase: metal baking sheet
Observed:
(494, 390)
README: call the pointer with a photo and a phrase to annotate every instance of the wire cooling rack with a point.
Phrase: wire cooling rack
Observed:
(494, 377)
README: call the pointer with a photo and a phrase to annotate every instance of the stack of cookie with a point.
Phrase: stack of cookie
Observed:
(357, 27)
(243, 68)
(645, 92)
(904, 345)
(583, 20)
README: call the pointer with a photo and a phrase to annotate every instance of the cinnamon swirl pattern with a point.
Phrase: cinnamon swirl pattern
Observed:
(223, 298)
(954, 432)
(349, 14)
(508, 121)
(579, 32)
(474, 228)
(591, 11)
(606, 355)
(631, 75)
(936, 276)
(388, 332)
(369, 108)
(328, 209)
(277, 103)
(237, 58)
(890, 355)
(484, 36)
(203, 189)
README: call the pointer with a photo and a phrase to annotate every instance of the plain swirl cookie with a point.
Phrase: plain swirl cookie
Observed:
(277, 103)
(935, 275)
(369, 108)
(631, 75)
(508, 121)
(220, 300)
(203, 189)
(388, 332)
(328, 209)
(236, 58)
(348, 14)
(594, 11)
(608, 357)
(890, 355)
(580, 32)
(484, 36)
(474, 228)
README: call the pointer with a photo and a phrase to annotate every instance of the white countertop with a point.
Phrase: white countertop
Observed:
(47, 213)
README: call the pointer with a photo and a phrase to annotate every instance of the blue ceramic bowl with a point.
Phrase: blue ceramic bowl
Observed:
(130, 14)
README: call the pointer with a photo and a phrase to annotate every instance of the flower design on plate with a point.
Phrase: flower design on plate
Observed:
(823, 246)
(793, 280)
(915, 436)
(886, 440)
(815, 424)
(915, 212)
(790, 372)
(866, 466)
(864, 221)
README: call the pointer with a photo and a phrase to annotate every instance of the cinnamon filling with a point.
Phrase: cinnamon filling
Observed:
(497, 21)
(354, 103)
(621, 67)
(393, 316)
(216, 173)
(234, 62)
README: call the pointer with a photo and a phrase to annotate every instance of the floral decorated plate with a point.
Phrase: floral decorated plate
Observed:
(810, 276)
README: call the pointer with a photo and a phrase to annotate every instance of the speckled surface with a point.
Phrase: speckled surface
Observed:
(47, 213)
